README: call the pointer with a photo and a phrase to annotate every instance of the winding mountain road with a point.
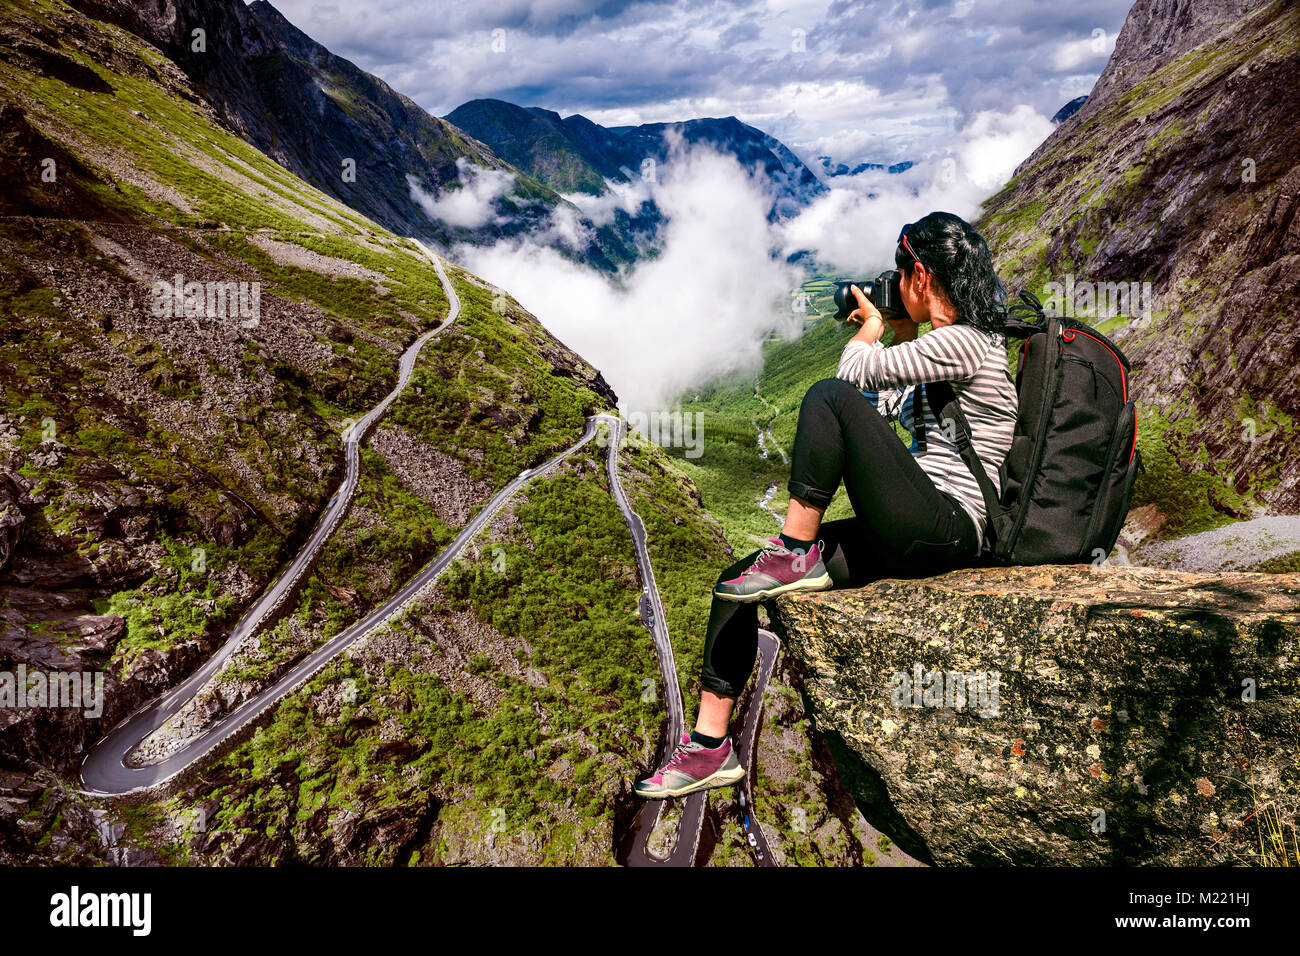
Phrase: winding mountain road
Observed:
(105, 771)
(691, 825)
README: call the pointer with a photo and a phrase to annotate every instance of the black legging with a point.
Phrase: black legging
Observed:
(903, 524)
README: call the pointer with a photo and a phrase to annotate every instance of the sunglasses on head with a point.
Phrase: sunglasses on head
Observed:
(902, 238)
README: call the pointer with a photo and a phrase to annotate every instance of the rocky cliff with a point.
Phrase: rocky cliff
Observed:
(1063, 715)
(1182, 172)
(334, 125)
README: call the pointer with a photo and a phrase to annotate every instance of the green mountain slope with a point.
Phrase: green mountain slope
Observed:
(164, 467)
(156, 471)
(311, 111)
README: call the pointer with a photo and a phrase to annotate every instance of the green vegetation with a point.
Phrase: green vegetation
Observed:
(796, 805)
(487, 395)
(1282, 564)
(194, 420)
(141, 826)
(387, 527)
(275, 415)
(1019, 219)
(567, 587)
(1185, 492)
(387, 536)
(186, 598)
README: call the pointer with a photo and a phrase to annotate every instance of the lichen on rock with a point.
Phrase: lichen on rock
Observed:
(1119, 693)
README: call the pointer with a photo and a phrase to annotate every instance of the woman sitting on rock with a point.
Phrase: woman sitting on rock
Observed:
(917, 510)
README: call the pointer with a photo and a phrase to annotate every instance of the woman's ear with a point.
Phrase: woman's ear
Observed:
(922, 278)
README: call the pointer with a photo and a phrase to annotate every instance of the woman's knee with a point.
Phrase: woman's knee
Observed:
(828, 390)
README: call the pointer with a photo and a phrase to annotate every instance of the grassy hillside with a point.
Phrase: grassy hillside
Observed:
(168, 466)
(171, 465)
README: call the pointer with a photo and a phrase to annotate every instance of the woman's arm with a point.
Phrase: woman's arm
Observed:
(951, 352)
(887, 401)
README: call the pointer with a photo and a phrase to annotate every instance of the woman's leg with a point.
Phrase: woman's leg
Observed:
(731, 641)
(841, 436)
(802, 520)
(730, 649)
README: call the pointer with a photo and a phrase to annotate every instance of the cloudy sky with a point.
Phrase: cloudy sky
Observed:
(876, 80)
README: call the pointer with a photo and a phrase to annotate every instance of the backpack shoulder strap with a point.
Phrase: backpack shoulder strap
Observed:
(1025, 317)
(943, 400)
(918, 417)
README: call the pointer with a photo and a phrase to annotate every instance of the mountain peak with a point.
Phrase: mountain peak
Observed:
(576, 154)
(1157, 32)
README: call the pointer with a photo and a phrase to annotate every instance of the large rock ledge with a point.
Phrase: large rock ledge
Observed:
(1124, 730)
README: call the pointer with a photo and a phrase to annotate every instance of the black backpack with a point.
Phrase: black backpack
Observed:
(1068, 478)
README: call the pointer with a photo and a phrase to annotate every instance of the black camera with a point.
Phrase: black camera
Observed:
(883, 292)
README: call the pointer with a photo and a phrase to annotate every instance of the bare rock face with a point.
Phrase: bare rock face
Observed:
(11, 518)
(1111, 716)
(1158, 31)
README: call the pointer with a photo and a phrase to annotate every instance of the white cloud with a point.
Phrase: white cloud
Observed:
(992, 144)
(819, 118)
(875, 66)
(625, 197)
(1092, 50)
(855, 227)
(473, 205)
(699, 309)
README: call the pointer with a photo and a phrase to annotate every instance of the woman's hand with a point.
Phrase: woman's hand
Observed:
(867, 316)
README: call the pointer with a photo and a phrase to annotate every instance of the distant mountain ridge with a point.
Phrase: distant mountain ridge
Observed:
(574, 154)
(1069, 109)
(833, 169)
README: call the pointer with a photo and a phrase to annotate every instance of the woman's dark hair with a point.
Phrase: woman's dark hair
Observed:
(960, 260)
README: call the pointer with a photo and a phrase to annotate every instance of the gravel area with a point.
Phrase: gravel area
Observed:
(1234, 547)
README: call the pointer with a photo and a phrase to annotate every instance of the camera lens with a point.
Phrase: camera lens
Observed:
(844, 300)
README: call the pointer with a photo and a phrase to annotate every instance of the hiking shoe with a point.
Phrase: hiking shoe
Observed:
(691, 768)
(777, 570)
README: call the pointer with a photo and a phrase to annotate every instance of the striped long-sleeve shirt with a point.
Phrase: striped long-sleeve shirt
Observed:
(975, 363)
